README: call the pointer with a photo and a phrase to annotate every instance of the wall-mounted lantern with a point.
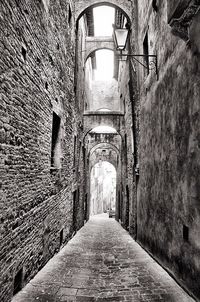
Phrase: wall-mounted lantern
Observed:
(120, 39)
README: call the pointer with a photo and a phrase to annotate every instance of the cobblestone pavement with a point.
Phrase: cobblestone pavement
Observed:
(102, 263)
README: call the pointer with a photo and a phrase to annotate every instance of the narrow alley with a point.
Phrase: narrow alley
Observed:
(102, 263)
(99, 150)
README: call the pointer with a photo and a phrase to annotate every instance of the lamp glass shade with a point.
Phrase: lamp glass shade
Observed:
(121, 36)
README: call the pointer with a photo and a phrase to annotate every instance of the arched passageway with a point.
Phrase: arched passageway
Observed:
(83, 6)
(103, 178)
(101, 83)
(107, 102)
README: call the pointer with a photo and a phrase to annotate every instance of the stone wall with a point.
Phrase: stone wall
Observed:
(104, 95)
(128, 186)
(37, 79)
(168, 206)
(79, 178)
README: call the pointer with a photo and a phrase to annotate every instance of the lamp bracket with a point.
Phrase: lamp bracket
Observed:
(153, 64)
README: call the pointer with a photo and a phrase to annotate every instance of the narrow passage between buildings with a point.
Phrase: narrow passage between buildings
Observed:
(102, 263)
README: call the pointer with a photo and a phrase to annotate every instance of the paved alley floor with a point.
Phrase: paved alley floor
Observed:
(102, 263)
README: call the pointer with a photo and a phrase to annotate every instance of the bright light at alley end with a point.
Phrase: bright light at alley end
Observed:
(120, 36)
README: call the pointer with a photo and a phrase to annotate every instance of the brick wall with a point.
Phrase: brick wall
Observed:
(128, 185)
(37, 79)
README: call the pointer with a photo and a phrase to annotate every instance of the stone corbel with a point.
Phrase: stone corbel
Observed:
(181, 24)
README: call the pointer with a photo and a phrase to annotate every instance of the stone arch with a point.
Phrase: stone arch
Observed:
(110, 119)
(82, 6)
(103, 145)
(112, 162)
(104, 109)
(99, 45)
(114, 140)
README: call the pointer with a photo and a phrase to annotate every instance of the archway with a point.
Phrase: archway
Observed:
(104, 146)
(103, 179)
(124, 7)
(96, 42)
(104, 152)
(100, 44)
(101, 82)
(103, 129)
(99, 109)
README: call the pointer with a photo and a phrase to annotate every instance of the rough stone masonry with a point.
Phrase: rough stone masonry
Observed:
(36, 111)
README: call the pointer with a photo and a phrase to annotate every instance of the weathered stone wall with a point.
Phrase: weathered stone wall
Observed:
(83, 74)
(173, 6)
(37, 72)
(128, 206)
(104, 95)
(79, 177)
(168, 207)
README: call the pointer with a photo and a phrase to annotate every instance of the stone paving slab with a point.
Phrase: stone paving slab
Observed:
(102, 263)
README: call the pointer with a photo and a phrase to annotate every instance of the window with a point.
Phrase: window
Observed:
(74, 161)
(75, 208)
(23, 51)
(18, 281)
(85, 207)
(132, 139)
(127, 208)
(61, 237)
(84, 156)
(69, 14)
(146, 53)
(126, 148)
(185, 233)
(79, 154)
(154, 5)
(55, 144)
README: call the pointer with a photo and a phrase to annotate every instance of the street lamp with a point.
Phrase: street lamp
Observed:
(120, 39)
